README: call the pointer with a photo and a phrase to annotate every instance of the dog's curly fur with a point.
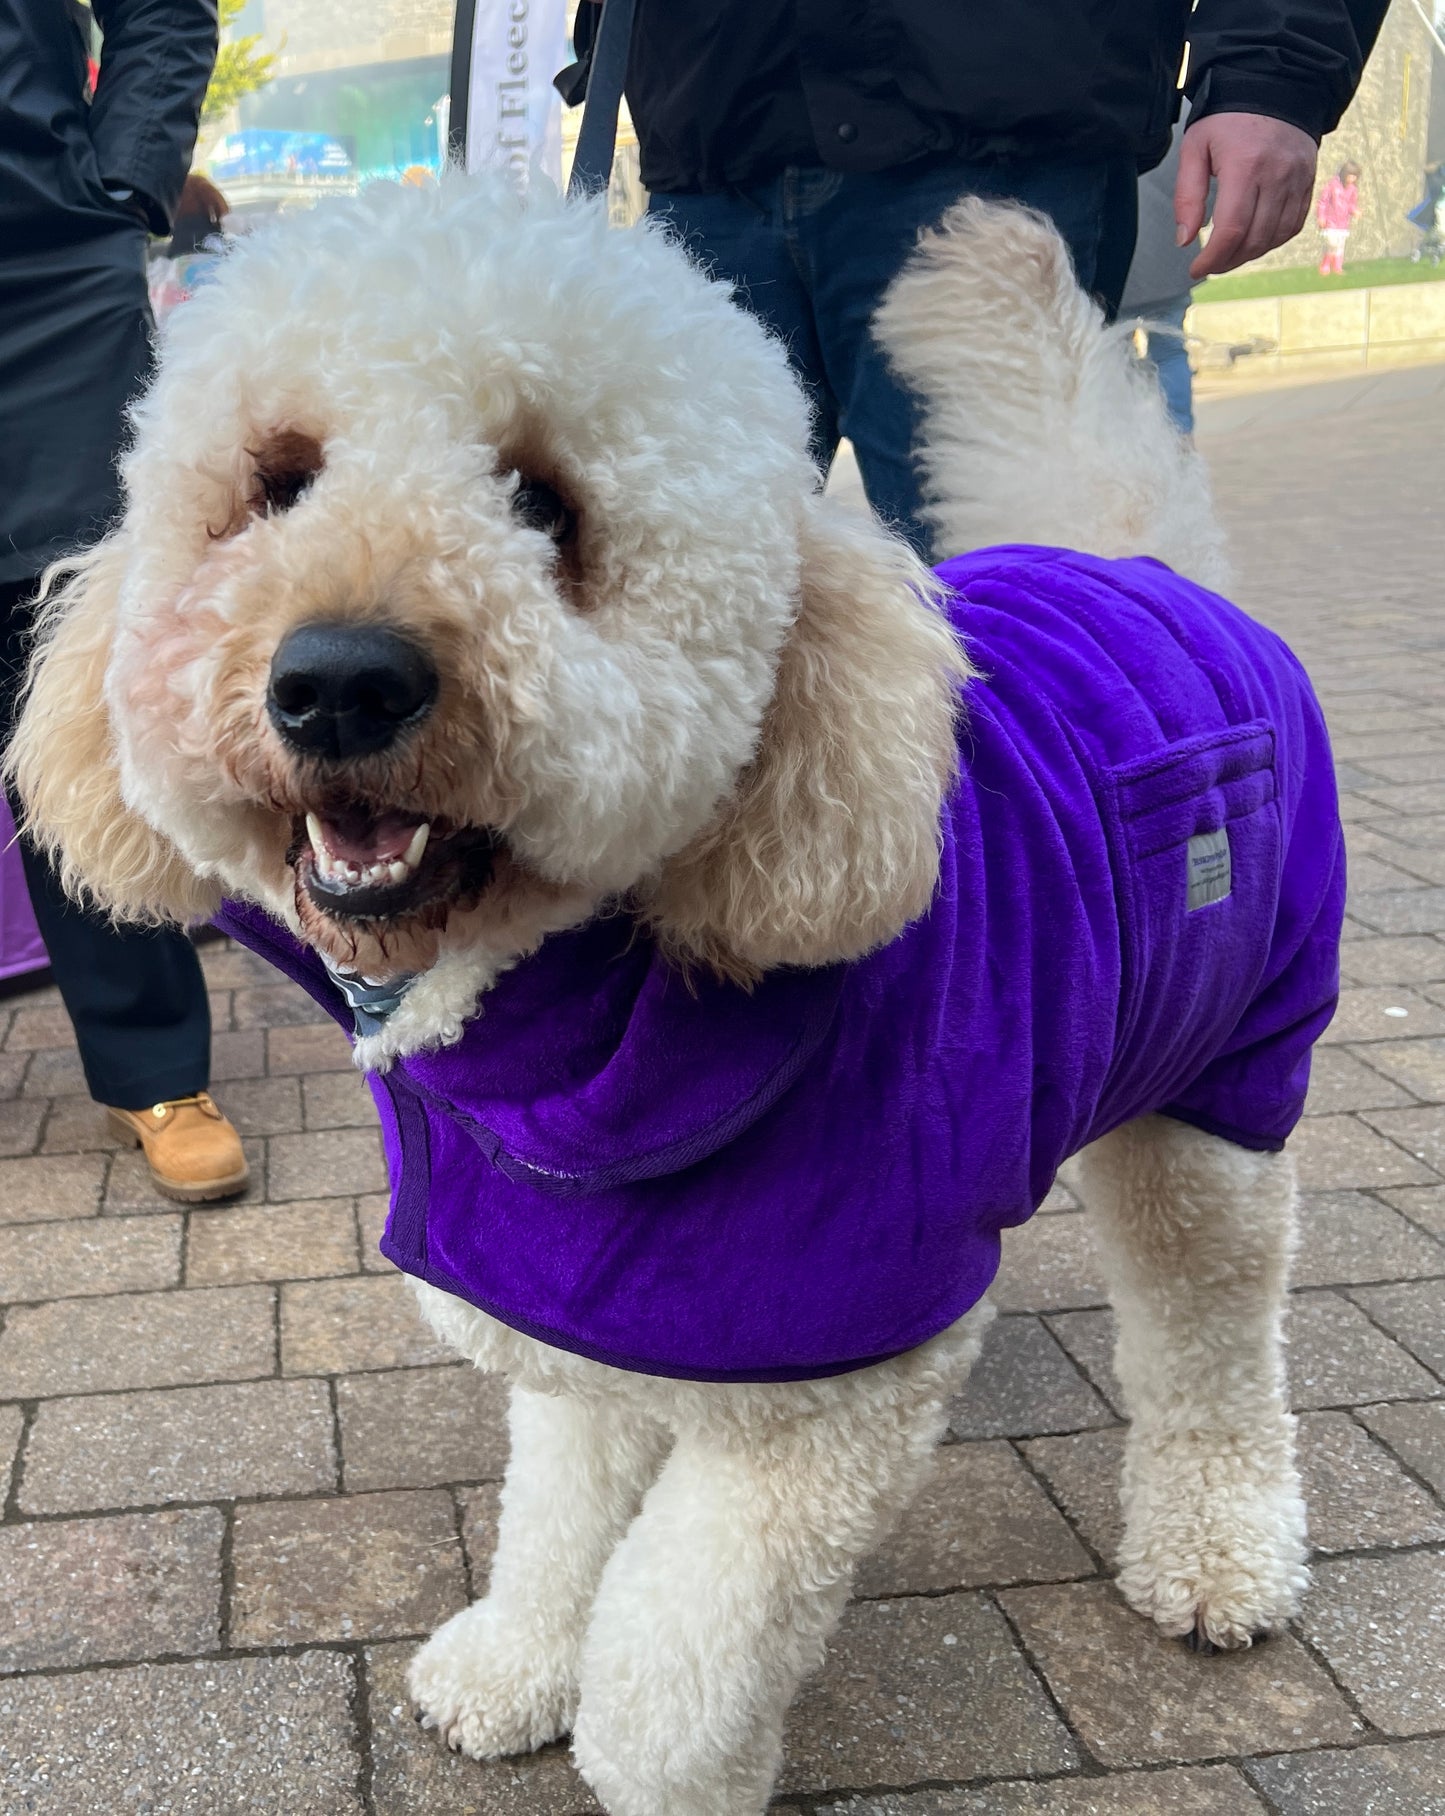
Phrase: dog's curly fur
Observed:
(727, 708)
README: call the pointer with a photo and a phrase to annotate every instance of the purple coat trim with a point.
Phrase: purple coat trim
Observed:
(1139, 905)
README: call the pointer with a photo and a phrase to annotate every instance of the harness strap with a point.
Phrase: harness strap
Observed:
(606, 78)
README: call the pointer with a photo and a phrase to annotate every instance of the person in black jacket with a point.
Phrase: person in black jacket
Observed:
(799, 145)
(81, 183)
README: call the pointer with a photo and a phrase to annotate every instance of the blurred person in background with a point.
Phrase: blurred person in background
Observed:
(82, 183)
(1160, 286)
(798, 147)
(1337, 211)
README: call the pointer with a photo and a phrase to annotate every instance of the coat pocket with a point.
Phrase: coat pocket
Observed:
(1198, 855)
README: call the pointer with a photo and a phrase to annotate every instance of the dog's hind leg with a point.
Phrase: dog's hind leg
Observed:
(501, 1676)
(1196, 1236)
(722, 1595)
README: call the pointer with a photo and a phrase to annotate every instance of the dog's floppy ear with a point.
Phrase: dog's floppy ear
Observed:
(829, 846)
(63, 761)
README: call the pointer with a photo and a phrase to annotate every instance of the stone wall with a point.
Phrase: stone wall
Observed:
(1386, 132)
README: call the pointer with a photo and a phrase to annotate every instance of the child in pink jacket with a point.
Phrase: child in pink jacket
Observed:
(1337, 211)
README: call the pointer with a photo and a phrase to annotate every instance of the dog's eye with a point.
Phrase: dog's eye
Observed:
(285, 468)
(276, 492)
(542, 507)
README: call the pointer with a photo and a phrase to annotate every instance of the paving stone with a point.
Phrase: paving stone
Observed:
(1356, 1493)
(1183, 1791)
(80, 1592)
(1083, 1470)
(1336, 1357)
(48, 1026)
(980, 1519)
(336, 1327)
(1415, 1431)
(75, 1125)
(1049, 1264)
(1333, 1152)
(264, 1106)
(337, 1163)
(274, 1006)
(1369, 874)
(20, 1121)
(1413, 1313)
(12, 1422)
(338, 1100)
(1339, 1081)
(319, 1048)
(1404, 1780)
(13, 1069)
(137, 1340)
(1418, 1065)
(1088, 1337)
(180, 1444)
(1422, 1204)
(305, 1240)
(415, 1775)
(235, 1055)
(1419, 1132)
(263, 1736)
(1363, 1015)
(371, 1215)
(1411, 958)
(1380, 1623)
(54, 1072)
(130, 1189)
(418, 1428)
(1413, 766)
(47, 1190)
(481, 1508)
(1347, 1237)
(1135, 1697)
(365, 1566)
(230, 967)
(90, 1255)
(928, 1687)
(1404, 799)
(1402, 910)
(1022, 1383)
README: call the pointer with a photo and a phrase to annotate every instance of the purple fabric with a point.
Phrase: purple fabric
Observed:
(806, 1178)
(21, 947)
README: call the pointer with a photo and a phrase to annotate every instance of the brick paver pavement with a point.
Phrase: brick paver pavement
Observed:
(240, 1479)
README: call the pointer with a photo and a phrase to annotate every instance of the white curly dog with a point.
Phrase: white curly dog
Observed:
(675, 675)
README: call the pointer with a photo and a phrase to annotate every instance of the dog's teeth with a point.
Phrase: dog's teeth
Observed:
(315, 834)
(398, 871)
(411, 857)
(353, 873)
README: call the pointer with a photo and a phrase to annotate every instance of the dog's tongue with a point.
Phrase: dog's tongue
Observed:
(356, 838)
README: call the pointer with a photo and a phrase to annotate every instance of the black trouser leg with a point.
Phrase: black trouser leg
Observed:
(136, 997)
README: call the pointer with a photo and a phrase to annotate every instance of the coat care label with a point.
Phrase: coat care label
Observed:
(1207, 860)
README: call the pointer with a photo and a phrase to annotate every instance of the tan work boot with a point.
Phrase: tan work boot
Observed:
(193, 1152)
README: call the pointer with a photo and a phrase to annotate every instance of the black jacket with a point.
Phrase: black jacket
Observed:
(79, 184)
(729, 91)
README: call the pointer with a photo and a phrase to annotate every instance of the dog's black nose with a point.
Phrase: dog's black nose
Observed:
(348, 690)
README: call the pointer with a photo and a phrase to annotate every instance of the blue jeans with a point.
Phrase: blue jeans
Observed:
(812, 251)
(1170, 361)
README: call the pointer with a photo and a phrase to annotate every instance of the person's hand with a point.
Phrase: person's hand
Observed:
(1265, 171)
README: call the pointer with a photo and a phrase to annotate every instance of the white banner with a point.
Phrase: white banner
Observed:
(514, 115)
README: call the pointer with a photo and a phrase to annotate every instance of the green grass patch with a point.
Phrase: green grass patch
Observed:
(1295, 280)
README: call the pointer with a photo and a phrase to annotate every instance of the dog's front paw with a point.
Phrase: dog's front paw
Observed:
(489, 1687)
(1214, 1545)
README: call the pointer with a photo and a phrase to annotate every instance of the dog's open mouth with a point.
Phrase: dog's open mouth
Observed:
(361, 863)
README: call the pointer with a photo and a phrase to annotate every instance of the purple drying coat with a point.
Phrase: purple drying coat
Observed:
(1138, 909)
